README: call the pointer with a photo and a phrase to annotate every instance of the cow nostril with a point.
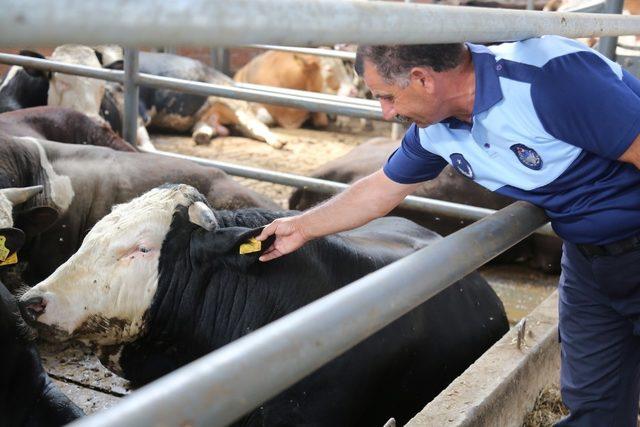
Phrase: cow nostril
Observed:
(32, 308)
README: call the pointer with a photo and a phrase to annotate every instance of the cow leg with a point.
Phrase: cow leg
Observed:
(320, 120)
(142, 137)
(265, 117)
(209, 125)
(248, 123)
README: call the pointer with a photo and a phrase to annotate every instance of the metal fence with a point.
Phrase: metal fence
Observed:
(224, 385)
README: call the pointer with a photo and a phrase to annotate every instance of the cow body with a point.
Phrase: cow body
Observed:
(62, 125)
(81, 183)
(543, 251)
(28, 397)
(155, 298)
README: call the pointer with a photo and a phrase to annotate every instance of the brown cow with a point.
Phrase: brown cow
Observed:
(291, 71)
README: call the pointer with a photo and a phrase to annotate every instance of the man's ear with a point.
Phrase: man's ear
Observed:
(422, 76)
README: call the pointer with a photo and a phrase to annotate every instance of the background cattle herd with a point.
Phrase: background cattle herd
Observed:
(136, 255)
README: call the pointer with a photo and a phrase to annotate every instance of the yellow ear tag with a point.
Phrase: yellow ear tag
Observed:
(13, 259)
(4, 252)
(251, 246)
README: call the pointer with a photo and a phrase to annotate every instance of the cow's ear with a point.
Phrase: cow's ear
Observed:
(115, 65)
(33, 72)
(37, 220)
(11, 240)
(237, 246)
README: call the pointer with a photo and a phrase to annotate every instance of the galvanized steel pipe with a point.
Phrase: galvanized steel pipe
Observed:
(285, 22)
(330, 53)
(131, 91)
(218, 388)
(431, 206)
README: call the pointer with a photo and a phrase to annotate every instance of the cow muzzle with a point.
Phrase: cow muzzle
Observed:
(33, 308)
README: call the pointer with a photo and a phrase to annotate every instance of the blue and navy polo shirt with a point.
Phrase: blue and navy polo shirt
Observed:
(550, 118)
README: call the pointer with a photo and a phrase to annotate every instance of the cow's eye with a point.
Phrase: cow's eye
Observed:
(144, 250)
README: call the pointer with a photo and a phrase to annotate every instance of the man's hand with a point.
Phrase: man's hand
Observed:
(289, 237)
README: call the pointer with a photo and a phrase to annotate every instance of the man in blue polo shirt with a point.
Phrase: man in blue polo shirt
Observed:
(546, 120)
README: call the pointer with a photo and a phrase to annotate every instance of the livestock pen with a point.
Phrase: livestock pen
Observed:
(236, 365)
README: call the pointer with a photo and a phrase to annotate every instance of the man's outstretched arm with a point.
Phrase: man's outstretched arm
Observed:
(371, 197)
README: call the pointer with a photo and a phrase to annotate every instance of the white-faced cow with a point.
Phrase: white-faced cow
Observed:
(81, 183)
(28, 397)
(543, 252)
(160, 282)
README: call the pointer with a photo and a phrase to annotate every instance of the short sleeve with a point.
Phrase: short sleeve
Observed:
(581, 100)
(411, 163)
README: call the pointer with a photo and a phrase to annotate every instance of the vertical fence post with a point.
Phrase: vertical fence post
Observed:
(220, 60)
(607, 45)
(130, 120)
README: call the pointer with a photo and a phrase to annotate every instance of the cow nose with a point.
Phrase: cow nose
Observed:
(32, 308)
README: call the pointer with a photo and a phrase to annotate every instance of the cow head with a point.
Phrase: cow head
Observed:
(12, 239)
(103, 291)
(80, 93)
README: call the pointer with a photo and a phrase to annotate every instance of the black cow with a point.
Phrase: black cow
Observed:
(81, 184)
(543, 252)
(158, 292)
(28, 397)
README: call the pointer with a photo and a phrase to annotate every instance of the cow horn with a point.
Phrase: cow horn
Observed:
(20, 195)
(202, 215)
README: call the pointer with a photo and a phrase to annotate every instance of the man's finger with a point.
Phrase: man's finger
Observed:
(266, 232)
(271, 254)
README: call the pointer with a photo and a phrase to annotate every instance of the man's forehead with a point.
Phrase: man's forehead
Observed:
(378, 86)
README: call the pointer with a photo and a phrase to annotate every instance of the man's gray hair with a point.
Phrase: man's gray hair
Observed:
(394, 62)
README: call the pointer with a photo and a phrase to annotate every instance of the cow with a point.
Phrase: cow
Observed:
(301, 72)
(162, 108)
(543, 252)
(286, 70)
(28, 397)
(81, 183)
(62, 125)
(160, 281)
(24, 87)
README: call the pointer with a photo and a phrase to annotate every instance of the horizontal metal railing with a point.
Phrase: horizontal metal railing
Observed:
(422, 204)
(330, 53)
(293, 22)
(224, 385)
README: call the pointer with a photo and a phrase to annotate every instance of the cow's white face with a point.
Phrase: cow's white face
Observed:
(102, 292)
(80, 93)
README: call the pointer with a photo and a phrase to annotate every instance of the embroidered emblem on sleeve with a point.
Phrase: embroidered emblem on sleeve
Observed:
(527, 156)
(461, 165)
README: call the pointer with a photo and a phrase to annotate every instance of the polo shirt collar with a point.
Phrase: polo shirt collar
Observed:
(488, 91)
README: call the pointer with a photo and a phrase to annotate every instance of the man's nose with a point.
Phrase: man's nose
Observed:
(388, 112)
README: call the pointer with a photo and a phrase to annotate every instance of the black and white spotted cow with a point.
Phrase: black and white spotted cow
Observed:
(160, 282)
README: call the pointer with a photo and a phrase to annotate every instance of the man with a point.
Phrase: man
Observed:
(546, 120)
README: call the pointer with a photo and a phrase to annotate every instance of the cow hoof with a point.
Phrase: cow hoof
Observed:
(202, 138)
(275, 143)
